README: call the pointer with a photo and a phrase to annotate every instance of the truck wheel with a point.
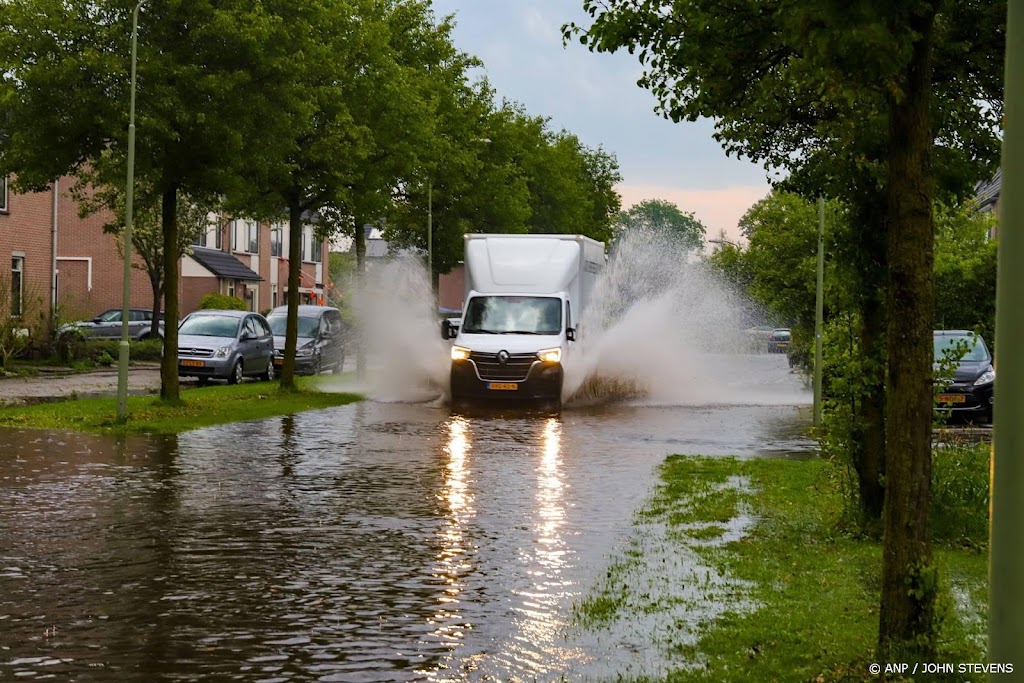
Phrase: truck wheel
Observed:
(236, 373)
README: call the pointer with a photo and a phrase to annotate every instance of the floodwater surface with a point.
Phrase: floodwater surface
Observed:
(371, 542)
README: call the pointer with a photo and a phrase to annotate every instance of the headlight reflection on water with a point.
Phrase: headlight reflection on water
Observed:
(453, 555)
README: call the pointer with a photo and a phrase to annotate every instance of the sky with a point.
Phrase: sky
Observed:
(595, 97)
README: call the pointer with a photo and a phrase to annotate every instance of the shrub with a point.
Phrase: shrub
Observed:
(960, 492)
(222, 301)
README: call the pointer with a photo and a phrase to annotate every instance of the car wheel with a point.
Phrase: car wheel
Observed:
(268, 375)
(203, 381)
(236, 373)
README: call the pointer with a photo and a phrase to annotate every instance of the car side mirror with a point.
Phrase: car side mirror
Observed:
(246, 336)
(570, 334)
(448, 330)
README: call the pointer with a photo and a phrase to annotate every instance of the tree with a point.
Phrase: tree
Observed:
(147, 234)
(660, 215)
(64, 91)
(799, 84)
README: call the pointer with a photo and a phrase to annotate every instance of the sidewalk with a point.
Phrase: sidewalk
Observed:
(55, 385)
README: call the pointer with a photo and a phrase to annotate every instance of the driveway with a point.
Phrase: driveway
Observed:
(57, 385)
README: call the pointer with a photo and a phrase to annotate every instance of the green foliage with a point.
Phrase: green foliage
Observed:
(799, 595)
(965, 271)
(197, 408)
(960, 493)
(661, 216)
(222, 302)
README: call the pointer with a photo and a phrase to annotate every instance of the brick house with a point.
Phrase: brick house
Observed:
(83, 275)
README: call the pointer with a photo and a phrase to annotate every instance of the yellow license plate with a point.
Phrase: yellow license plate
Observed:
(279, 361)
(951, 398)
(194, 363)
(503, 386)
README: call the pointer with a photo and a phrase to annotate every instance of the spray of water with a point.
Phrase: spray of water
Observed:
(660, 329)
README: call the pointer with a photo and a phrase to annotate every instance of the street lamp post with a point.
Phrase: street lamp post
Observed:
(819, 306)
(430, 231)
(122, 356)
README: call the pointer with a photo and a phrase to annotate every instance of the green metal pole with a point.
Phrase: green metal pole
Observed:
(430, 231)
(123, 347)
(819, 308)
(1006, 553)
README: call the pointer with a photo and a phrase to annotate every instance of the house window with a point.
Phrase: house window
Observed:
(253, 237)
(231, 287)
(302, 243)
(275, 242)
(233, 227)
(273, 296)
(17, 286)
(218, 237)
(3, 194)
(200, 240)
(318, 249)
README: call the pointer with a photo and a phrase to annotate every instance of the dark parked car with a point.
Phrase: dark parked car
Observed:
(225, 345)
(969, 392)
(778, 340)
(107, 325)
(321, 342)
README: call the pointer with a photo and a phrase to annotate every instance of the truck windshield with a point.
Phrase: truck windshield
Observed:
(513, 315)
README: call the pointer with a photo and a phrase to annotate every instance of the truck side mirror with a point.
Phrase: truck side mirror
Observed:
(570, 334)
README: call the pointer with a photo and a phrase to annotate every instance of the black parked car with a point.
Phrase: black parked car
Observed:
(969, 392)
(321, 343)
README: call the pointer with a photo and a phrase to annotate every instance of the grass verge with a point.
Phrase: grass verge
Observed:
(199, 408)
(801, 598)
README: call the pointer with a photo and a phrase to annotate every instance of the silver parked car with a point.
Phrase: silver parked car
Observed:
(107, 325)
(222, 344)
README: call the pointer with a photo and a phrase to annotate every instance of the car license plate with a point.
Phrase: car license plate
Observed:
(279, 361)
(503, 386)
(951, 398)
(194, 363)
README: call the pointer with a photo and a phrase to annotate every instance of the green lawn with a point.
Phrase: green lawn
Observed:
(200, 407)
(800, 596)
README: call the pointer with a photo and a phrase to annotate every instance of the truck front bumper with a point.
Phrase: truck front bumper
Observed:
(543, 383)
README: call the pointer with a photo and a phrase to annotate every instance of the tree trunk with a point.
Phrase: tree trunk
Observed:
(169, 388)
(872, 439)
(360, 238)
(156, 283)
(291, 337)
(906, 615)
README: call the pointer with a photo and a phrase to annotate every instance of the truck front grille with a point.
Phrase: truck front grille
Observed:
(515, 369)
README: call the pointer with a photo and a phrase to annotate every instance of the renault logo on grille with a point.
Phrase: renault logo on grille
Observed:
(502, 357)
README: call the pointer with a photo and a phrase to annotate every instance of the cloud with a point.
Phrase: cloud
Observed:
(718, 209)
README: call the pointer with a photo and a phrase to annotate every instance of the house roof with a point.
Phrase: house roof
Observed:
(223, 264)
(987, 193)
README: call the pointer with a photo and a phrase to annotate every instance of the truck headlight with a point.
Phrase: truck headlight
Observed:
(460, 353)
(550, 355)
(986, 377)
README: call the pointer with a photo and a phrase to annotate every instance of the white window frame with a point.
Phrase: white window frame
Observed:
(252, 234)
(17, 281)
(3, 195)
(276, 241)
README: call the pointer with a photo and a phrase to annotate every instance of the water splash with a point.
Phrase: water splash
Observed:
(406, 359)
(660, 329)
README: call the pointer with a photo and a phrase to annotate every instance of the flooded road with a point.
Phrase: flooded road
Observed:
(370, 542)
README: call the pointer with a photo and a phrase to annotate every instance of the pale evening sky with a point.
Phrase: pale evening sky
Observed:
(595, 96)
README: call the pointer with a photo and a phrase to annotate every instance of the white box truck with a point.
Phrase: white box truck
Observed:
(520, 318)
